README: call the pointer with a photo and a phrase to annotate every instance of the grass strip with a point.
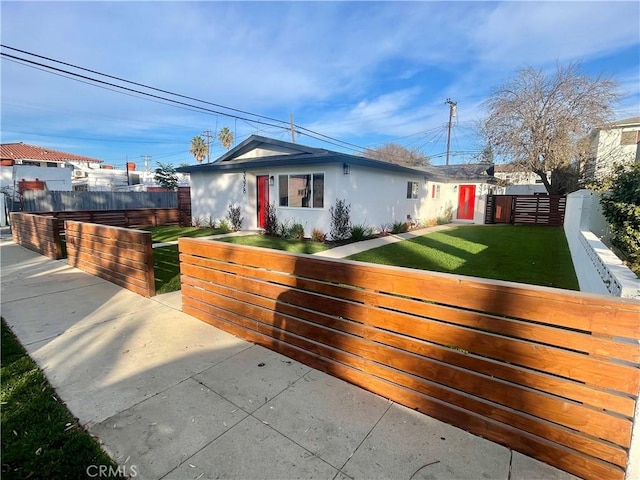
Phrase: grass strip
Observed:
(277, 243)
(40, 437)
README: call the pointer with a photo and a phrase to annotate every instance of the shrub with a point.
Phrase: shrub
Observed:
(225, 226)
(399, 227)
(196, 222)
(360, 232)
(446, 216)
(284, 229)
(621, 208)
(233, 215)
(385, 228)
(270, 220)
(211, 223)
(340, 220)
(296, 231)
(318, 235)
(432, 222)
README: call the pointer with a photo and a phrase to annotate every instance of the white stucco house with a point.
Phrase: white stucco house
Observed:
(518, 182)
(303, 183)
(615, 143)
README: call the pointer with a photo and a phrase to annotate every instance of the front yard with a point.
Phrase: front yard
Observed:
(526, 254)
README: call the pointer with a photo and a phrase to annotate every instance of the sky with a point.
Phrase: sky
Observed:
(353, 75)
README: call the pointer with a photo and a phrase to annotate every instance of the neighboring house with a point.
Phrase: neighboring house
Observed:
(70, 171)
(519, 182)
(303, 183)
(615, 143)
(29, 163)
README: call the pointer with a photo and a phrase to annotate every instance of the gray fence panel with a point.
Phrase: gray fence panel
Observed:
(53, 201)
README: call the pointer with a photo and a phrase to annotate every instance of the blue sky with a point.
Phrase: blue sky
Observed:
(363, 73)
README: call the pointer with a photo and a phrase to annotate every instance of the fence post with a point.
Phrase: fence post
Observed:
(633, 467)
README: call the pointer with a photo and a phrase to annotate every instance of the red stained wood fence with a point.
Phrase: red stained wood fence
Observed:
(526, 209)
(140, 217)
(37, 233)
(119, 255)
(550, 373)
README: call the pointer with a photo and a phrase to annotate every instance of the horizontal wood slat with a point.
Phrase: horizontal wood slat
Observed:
(37, 233)
(140, 217)
(119, 255)
(534, 368)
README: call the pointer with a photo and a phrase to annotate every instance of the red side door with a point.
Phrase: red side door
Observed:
(466, 201)
(263, 198)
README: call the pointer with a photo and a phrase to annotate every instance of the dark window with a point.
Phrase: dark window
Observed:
(629, 138)
(412, 189)
(304, 191)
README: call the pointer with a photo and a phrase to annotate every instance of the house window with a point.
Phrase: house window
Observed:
(304, 191)
(630, 138)
(412, 189)
(435, 191)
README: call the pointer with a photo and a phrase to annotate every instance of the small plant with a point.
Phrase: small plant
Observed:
(384, 229)
(360, 232)
(225, 226)
(318, 235)
(296, 231)
(399, 227)
(234, 217)
(270, 221)
(340, 220)
(432, 222)
(284, 228)
(447, 216)
(197, 222)
(211, 223)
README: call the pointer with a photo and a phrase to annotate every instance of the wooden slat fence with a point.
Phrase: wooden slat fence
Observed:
(120, 255)
(37, 233)
(550, 373)
(142, 217)
(526, 209)
(184, 206)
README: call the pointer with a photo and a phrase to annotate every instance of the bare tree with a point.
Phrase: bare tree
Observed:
(395, 153)
(535, 120)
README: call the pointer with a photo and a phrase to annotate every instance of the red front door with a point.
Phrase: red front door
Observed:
(263, 198)
(466, 201)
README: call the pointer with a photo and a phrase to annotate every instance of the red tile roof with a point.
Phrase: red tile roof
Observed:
(23, 151)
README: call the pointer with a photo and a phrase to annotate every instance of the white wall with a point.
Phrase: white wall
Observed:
(597, 268)
(609, 151)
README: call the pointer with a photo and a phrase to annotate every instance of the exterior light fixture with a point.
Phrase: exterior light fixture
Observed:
(455, 188)
(271, 180)
(346, 169)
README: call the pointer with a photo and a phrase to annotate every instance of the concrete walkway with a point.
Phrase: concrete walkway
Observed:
(171, 397)
(357, 247)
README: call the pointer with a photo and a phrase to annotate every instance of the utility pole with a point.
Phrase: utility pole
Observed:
(145, 159)
(293, 132)
(453, 112)
(207, 134)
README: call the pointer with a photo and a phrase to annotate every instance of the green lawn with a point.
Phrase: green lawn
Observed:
(277, 243)
(169, 233)
(40, 437)
(167, 269)
(526, 254)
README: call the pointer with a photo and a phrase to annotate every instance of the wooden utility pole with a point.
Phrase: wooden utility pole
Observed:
(293, 132)
(453, 111)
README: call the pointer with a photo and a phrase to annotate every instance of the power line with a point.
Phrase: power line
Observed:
(311, 133)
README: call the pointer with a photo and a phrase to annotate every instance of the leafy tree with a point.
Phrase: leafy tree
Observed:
(226, 137)
(199, 148)
(535, 120)
(165, 175)
(620, 202)
(395, 153)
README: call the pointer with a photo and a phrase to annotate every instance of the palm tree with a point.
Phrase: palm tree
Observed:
(226, 137)
(199, 148)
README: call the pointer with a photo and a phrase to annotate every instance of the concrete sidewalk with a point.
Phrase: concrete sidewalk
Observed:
(179, 399)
